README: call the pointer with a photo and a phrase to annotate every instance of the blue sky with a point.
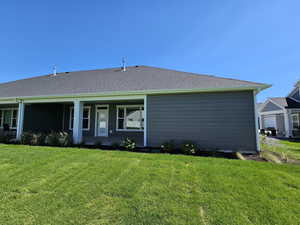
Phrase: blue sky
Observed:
(251, 40)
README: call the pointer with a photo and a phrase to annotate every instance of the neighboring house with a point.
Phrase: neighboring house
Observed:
(150, 105)
(282, 114)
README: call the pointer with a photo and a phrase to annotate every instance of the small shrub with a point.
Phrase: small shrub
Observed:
(168, 147)
(64, 139)
(37, 139)
(98, 144)
(81, 144)
(263, 140)
(26, 138)
(15, 141)
(189, 148)
(4, 139)
(52, 139)
(129, 144)
(115, 145)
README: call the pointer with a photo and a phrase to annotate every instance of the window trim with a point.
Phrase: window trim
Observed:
(72, 115)
(117, 118)
(11, 119)
(298, 122)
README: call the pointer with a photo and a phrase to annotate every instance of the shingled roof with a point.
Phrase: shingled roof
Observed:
(134, 79)
(286, 102)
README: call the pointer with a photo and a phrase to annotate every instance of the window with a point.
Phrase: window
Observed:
(1, 118)
(85, 118)
(9, 117)
(130, 118)
(295, 121)
(14, 118)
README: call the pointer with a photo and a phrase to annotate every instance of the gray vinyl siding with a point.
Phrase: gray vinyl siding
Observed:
(263, 118)
(43, 117)
(270, 107)
(280, 127)
(296, 95)
(222, 121)
(280, 123)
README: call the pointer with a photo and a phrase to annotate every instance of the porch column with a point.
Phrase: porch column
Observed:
(145, 120)
(287, 126)
(20, 121)
(77, 126)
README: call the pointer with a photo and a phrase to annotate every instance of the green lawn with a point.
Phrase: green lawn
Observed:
(288, 148)
(43, 185)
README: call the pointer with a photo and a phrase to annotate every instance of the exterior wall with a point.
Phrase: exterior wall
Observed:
(265, 117)
(113, 134)
(43, 117)
(280, 124)
(270, 107)
(223, 121)
(294, 132)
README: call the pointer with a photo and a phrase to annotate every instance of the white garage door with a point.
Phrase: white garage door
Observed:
(270, 121)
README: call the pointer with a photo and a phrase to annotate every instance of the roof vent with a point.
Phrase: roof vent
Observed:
(54, 70)
(123, 64)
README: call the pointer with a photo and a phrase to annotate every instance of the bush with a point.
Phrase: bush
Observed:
(37, 139)
(263, 140)
(53, 139)
(168, 147)
(26, 138)
(189, 148)
(82, 144)
(115, 145)
(98, 144)
(129, 144)
(4, 139)
(64, 139)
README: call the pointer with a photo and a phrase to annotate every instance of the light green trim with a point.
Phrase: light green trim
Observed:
(128, 93)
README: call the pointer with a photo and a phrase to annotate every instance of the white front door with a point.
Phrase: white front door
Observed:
(101, 128)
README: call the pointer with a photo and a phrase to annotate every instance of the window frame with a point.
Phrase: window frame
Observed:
(71, 117)
(141, 108)
(11, 117)
(298, 122)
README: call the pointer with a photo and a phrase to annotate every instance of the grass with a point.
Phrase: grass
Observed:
(44, 185)
(287, 148)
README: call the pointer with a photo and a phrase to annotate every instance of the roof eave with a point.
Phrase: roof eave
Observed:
(145, 92)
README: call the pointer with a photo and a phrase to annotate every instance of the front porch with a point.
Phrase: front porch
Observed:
(91, 121)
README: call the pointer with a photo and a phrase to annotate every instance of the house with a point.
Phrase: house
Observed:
(150, 105)
(282, 114)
